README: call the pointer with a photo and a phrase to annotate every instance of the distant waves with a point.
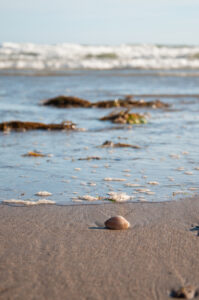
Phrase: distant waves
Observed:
(61, 57)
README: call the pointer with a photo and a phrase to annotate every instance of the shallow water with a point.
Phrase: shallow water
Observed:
(168, 142)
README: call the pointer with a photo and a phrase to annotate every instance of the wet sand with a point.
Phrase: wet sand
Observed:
(63, 252)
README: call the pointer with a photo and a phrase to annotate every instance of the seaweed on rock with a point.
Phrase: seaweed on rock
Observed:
(67, 102)
(128, 102)
(23, 126)
(125, 117)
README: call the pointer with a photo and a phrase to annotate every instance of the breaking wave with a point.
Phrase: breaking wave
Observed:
(62, 57)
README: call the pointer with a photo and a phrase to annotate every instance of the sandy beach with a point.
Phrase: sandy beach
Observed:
(64, 252)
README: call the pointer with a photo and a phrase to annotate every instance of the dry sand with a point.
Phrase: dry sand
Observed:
(65, 253)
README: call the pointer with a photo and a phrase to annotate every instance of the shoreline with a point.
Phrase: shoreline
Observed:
(64, 252)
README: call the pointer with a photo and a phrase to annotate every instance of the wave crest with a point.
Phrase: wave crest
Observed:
(58, 57)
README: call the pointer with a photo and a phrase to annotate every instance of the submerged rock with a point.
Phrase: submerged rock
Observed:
(23, 126)
(67, 102)
(108, 144)
(117, 223)
(124, 117)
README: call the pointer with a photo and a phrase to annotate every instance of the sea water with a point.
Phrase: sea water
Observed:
(169, 143)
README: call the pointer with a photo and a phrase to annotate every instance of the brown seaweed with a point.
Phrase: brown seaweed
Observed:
(23, 126)
(33, 154)
(125, 117)
(67, 102)
(128, 102)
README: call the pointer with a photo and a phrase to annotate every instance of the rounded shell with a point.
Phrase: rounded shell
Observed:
(117, 223)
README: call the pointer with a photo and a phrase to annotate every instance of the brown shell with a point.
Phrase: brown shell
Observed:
(117, 223)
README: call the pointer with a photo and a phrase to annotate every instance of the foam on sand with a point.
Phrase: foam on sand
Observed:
(119, 197)
(28, 202)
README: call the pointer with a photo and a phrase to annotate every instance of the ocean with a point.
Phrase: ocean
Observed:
(165, 168)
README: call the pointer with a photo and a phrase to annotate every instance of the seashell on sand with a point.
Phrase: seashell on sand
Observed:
(186, 292)
(117, 223)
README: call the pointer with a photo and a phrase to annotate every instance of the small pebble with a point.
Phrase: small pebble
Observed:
(171, 178)
(178, 192)
(174, 156)
(180, 169)
(188, 173)
(150, 193)
(185, 152)
(127, 175)
(117, 223)
(153, 182)
(107, 166)
(132, 184)
(142, 190)
(92, 183)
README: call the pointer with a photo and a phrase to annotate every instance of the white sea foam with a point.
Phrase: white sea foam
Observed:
(114, 179)
(64, 56)
(43, 193)
(28, 202)
(88, 198)
(119, 197)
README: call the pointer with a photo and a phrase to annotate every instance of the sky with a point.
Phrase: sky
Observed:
(100, 21)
